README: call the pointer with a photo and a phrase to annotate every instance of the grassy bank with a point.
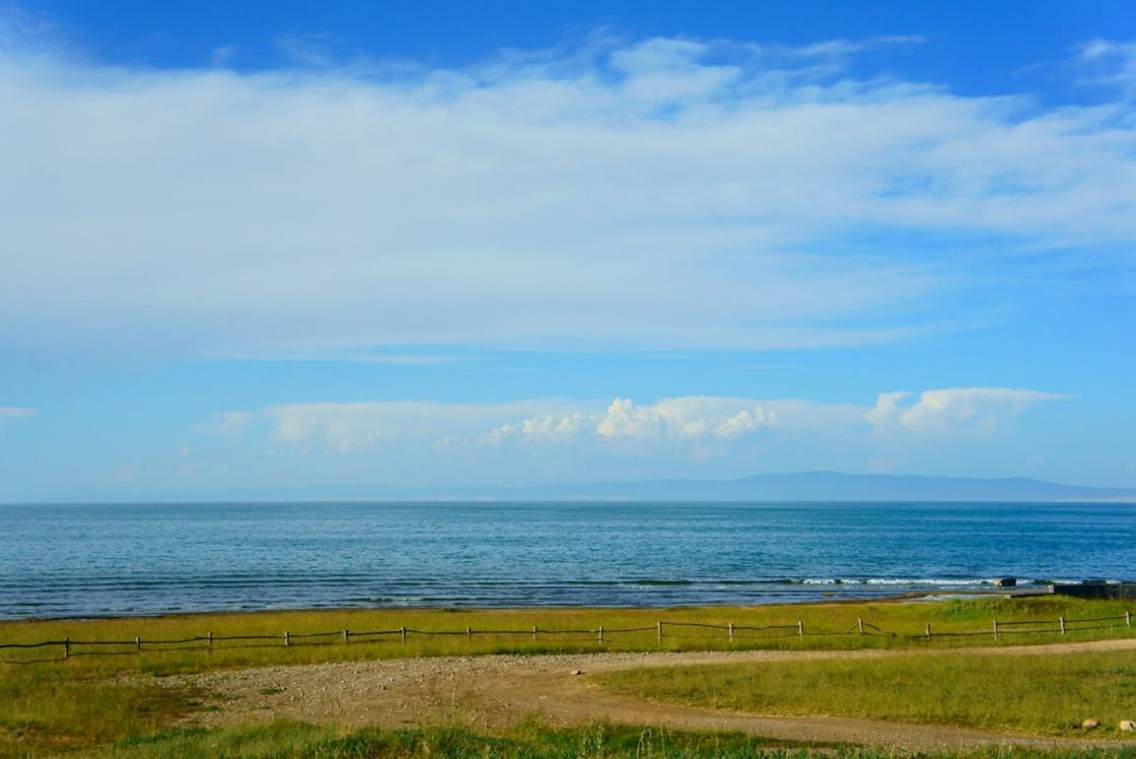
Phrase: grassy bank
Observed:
(96, 697)
(887, 625)
(1029, 693)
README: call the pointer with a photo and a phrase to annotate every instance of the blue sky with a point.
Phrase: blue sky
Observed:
(267, 248)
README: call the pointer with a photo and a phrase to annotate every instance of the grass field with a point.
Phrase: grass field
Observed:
(94, 700)
(527, 742)
(820, 621)
(1029, 693)
(596, 740)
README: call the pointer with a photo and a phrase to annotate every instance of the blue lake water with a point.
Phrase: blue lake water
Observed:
(80, 560)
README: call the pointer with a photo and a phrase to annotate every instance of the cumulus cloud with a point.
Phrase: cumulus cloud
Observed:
(527, 199)
(687, 418)
(745, 422)
(684, 419)
(686, 422)
(542, 429)
(980, 409)
(354, 427)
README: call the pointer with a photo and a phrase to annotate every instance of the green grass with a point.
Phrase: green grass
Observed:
(91, 699)
(300, 739)
(534, 741)
(48, 709)
(1042, 694)
(900, 618)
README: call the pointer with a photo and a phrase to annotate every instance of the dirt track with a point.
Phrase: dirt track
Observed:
(488, 692)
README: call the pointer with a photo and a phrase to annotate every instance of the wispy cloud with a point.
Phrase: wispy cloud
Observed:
(955, 409)
(658, 193)
(1111, 62)
(313, 49)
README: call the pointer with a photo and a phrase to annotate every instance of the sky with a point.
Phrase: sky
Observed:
(296, 248)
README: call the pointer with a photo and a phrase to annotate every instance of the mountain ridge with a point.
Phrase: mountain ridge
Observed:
(840, 486)
(810, 486)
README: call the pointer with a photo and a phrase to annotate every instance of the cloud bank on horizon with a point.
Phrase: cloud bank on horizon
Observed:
(707, 425)
(611, 199)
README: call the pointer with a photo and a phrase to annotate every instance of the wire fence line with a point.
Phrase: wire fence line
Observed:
(678, 630)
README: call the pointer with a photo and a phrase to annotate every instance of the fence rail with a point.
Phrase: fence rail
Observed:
(862, 628)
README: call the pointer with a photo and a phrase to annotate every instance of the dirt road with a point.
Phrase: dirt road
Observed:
(492, 692)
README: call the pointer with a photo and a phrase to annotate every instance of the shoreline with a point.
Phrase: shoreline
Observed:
(913, 598)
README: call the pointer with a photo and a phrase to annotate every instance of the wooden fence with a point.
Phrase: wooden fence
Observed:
(679, 630)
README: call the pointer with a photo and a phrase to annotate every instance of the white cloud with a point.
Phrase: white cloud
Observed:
(887, 409)
(673, 419)
(686, 418)
(980, 409)
(662, 193)
(626, 420)
(745, 422)
(542, 429)
(353, 427)
(1111, 62)
(692, 423)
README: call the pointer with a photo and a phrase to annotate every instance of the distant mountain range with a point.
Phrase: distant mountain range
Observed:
(801, 486)
(814, 486)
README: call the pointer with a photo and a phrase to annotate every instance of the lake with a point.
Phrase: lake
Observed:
(122, 559)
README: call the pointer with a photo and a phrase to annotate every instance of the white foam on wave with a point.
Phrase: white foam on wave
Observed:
(900, 581)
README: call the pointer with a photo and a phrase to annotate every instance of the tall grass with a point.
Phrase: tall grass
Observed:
(1032, 693)
(533, 740)
(594, 741)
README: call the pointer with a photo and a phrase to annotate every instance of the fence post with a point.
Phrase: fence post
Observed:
(995, 629)
(67, 648)
(402, 634)
(860, 624)
(468, 633)
(1061, 621)
(534, 632)
(346, 635)
(137, 642)
(928, 631)
(659, 629)
(731, 632)
(1128, 618)
(801, 629)
(287, 641)
(599, 639)
(209, 640)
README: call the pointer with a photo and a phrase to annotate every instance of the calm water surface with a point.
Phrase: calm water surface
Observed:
(139, 559)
